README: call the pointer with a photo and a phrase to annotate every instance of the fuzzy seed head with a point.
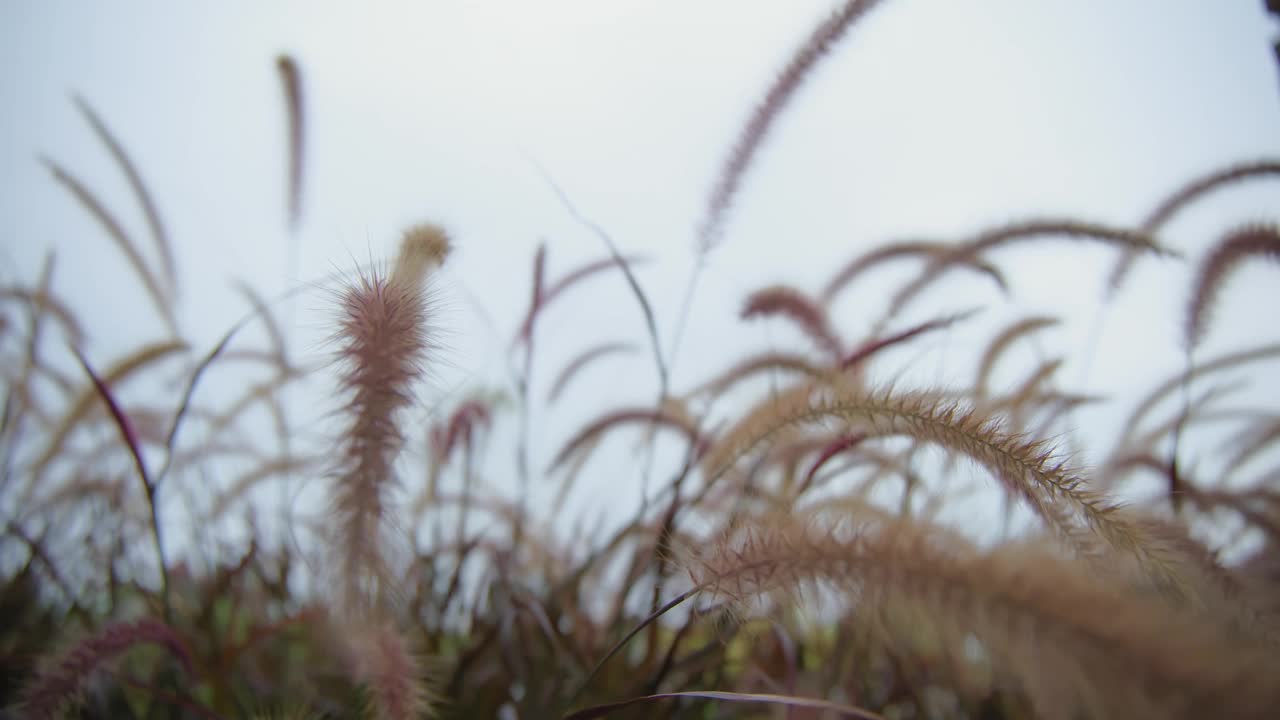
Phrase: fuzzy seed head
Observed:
(58, 685)
(424, 247)
(392, 673)
(382, 340)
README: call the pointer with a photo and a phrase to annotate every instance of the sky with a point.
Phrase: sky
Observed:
(931, 119)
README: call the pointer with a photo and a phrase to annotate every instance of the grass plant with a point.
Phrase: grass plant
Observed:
(791, 558)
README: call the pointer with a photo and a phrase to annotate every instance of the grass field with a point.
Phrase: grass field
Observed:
(819, 534)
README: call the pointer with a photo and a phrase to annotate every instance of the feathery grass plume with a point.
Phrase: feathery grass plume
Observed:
(805, 313)
(1198, 581)
(1204, 585)
(57, 686)
(1194, 190)
(1047, 628)
(291, 80)
(896, 250)
(1184, 196)
(969, 250)
(821, 40)
(1230, 251)
(394, 678)
(382, 342)
(1028, 469)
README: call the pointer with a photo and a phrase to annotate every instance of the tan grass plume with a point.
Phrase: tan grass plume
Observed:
(1035, 623)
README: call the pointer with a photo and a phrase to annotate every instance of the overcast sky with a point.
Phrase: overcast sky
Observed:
(933, 118)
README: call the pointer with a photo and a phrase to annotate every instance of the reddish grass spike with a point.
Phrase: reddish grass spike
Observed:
(874, 346)
(383, 328)
(535, 302)
(793, 304)
(823, 38)
(59, 684)
(392, 673)
(382, 343)
(1239, 245)
(291, 80)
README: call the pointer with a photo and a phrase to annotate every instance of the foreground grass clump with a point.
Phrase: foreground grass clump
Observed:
(792, 558)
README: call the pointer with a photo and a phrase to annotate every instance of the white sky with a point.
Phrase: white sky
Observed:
(934, 118)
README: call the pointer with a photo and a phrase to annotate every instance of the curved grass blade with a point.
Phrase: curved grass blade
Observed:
(158, 232)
